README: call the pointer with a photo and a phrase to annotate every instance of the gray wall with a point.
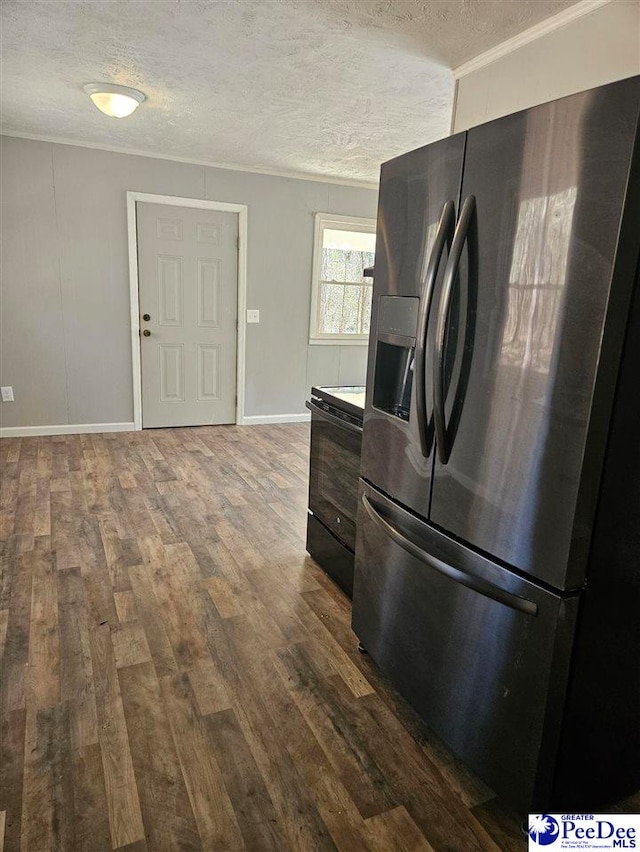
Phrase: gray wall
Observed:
(597, 48)
(65, 336)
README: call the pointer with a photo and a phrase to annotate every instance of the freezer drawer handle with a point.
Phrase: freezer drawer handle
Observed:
(337, 421)
(444, 236)
(483, 587)
(450, 273)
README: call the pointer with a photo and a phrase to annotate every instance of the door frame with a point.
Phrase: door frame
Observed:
(132, 231)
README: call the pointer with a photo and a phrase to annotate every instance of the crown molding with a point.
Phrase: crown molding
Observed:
(113, 149)
(549, 25)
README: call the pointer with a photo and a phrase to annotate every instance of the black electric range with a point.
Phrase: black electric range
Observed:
(336, 439)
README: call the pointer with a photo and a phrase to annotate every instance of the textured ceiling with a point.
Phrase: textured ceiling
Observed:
(323, 87)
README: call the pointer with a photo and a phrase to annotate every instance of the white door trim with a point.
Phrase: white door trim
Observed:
(200, 204)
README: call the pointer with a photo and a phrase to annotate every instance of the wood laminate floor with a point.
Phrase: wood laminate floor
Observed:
(177, 674)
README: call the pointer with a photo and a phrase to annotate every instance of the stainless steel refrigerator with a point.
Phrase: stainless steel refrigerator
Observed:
(497, 579)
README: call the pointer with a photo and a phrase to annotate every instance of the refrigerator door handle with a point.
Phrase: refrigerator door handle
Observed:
(476, 584)
(450, 273)
(444, 237)
(331, 418)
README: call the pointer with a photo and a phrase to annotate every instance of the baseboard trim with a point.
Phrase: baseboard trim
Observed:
(84, 428)
(64, 429)
(257, 419)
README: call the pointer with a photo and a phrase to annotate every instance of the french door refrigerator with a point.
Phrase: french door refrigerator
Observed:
(497, 579)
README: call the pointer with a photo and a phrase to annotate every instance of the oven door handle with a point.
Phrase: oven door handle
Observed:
(331, 418)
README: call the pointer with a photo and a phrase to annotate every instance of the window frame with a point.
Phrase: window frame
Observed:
(332, 221)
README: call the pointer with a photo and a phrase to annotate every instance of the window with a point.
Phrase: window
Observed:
(340, 294)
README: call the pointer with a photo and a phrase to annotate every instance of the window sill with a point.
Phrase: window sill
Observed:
(338, 341)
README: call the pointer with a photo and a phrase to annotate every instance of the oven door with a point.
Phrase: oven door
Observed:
(333, 472)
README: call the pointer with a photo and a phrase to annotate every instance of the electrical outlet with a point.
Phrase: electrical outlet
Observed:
(253, 316)
(7, 393)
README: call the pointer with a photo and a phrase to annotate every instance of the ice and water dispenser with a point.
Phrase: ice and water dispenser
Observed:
(395, 354)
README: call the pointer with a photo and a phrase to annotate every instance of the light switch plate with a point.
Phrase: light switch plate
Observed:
(253, 316)
(7, 393)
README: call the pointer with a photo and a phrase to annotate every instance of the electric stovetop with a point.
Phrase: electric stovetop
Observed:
(349, 399)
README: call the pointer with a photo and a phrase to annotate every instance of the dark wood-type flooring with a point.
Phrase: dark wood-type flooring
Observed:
(177, 674)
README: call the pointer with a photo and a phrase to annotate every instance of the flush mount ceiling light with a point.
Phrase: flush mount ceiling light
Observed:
(112, 100)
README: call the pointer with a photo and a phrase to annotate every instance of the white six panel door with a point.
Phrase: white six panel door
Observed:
(188, 286)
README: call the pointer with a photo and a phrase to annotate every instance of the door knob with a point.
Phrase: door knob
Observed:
(146, 317)
(146, 332)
